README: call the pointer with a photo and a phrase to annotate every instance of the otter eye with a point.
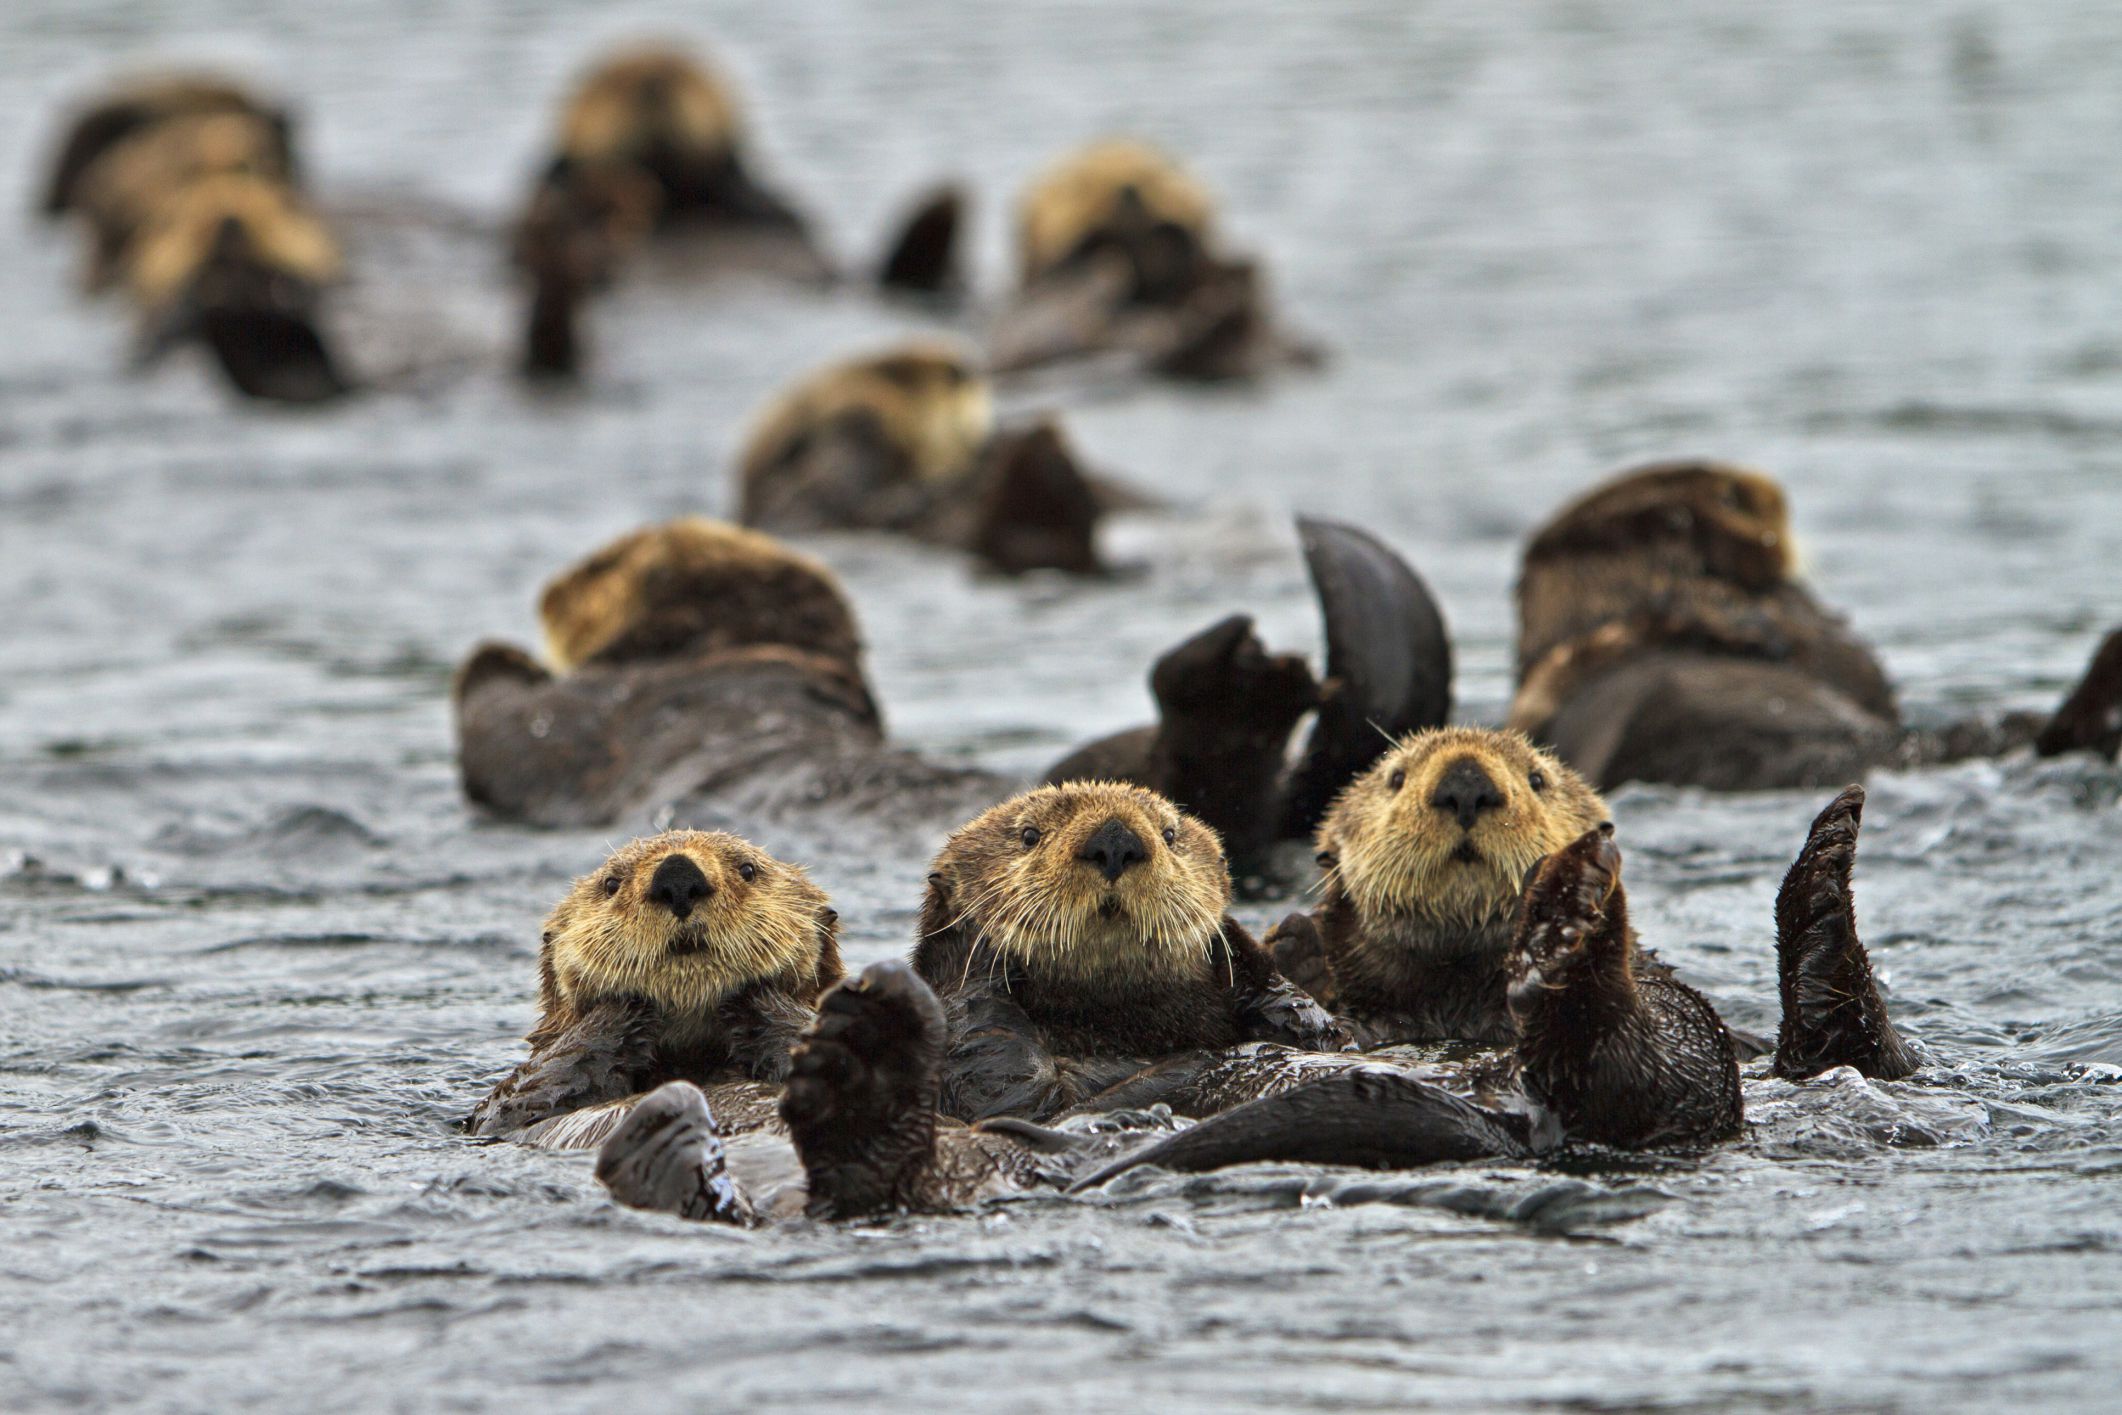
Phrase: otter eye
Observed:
(1171, 836)
(1538, 780)
(1030, 836)
(611, 885)
(1397, 780)
(747, 871)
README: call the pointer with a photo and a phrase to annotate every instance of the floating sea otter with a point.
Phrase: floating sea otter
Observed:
(704, 662)
(651, 142)
(1117, 251)
(688, 955)
(1663, 638)
(906, 441)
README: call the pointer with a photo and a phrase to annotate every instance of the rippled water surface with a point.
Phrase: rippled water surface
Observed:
(255, 954)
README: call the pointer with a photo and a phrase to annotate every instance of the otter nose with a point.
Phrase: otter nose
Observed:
(1465, 791)
(1113, 848)
(678, 885)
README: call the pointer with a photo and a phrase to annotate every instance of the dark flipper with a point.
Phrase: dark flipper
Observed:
(2090, 719)
(1373, 1117)
(923, 259)
(668, 1159)
(273, 354)
(1832, 1012)
(1036, 510)
(861, 1097)
(1388, 663)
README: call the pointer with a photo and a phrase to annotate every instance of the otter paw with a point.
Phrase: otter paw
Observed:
(2090, 719)
(668, 1159)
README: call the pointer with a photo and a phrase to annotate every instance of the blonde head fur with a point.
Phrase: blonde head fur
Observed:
(1444, 826)
(1083, 192)
(1088, 880)
(278, 229)
(639, 98)
(925, 396)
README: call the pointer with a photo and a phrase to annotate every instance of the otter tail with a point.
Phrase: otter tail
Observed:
(1832, 1012)
(1388, 663)
(1371, 1117)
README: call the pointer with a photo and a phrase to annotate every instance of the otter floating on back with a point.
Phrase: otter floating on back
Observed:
(1663, 637)
(135, 107)
(906, 441)
(1117, 250)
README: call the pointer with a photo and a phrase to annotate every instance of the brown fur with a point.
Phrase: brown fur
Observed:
(123, 190)
(1693, 557)
(137, 106)
(693, 587)
(1081, 194)
(277, 229)
(730, 986)
(1418, 910)
(648, 95)
(926, 404)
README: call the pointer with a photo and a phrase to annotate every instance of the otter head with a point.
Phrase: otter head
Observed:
(1123, 196)
(647, 106)
(922, 400)
(685, 920)
(1089, 881)
(1441, 829)
(138, 106)
(1694, 518)
(692, 587)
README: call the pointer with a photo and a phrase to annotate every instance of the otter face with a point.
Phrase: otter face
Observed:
(1445, 825)
(1089, 880)
(634, 103)
(685, 919)
(271, 225)
(1116, 186)
(693, 586)
(948, 409)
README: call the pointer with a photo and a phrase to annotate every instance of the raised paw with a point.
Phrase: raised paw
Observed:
(667, 1158)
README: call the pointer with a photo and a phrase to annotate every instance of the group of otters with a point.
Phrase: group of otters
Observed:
(1078, 989)
(1469, 984)
(189, 193)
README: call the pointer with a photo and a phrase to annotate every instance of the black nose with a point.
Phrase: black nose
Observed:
(678, 885)
(1465, 792)
(1113, 848)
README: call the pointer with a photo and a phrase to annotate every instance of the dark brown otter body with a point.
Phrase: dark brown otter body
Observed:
(1606, 1050)
(688, 955)
(1662, 638)
(905, 441)
(1116, 252)
(1078, 934)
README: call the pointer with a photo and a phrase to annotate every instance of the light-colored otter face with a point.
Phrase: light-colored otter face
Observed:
(140, 172)
(685, 919)
(278, 229)
(925, 396)
(1086, 191)
(1446, 824)
(634, 101)
(1090, 880)
(693, 586)
(1709, 518)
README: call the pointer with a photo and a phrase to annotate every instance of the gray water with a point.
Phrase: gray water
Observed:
(255, 954)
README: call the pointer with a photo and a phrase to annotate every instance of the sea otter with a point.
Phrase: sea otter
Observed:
(1424, 856)
(1604, 1050)
(687, 955)
(138, 105)
(1662, 637)
(1117, 251)
(1079, 933)
(239, 263)
(906, 441)
(707, 665)
(569, 243)
(121, 191)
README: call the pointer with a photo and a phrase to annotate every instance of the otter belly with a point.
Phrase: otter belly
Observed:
(740, 1108)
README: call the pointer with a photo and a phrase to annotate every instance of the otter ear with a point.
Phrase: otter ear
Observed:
(830, 969)
(945, 940)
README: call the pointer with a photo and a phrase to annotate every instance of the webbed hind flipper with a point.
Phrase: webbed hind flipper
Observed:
(2090, 719)
(1832, 1012)
(668, 1159)
(1388, 664)
(924, 255)
(1371, 1116)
